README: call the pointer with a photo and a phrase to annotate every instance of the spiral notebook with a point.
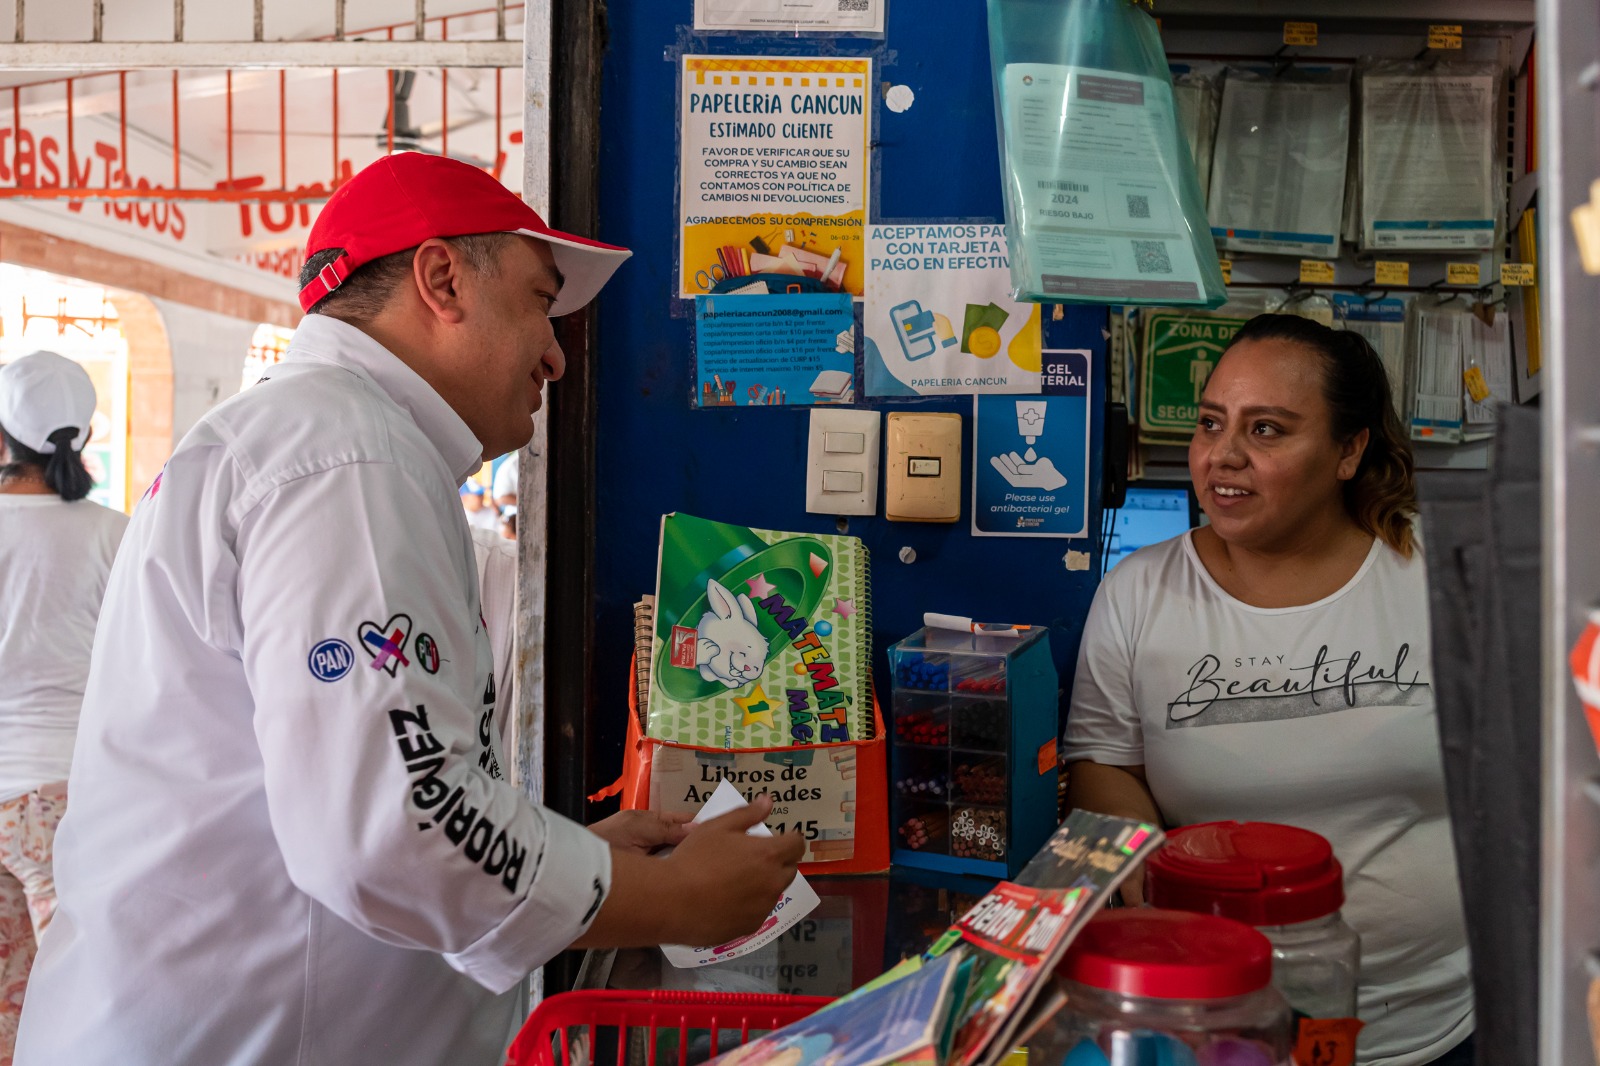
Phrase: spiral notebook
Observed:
(761, 639)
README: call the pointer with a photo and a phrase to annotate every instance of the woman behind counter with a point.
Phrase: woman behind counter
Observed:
(56, 550)
(1274, 665)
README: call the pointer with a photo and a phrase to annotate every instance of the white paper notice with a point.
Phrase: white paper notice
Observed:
(939, 319)
(818, 16)
(1090, 186)
(773, 172)
(799, 899)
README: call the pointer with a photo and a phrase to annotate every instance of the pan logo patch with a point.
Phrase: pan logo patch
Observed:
(331, 659)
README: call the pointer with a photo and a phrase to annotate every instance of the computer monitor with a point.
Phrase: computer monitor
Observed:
(1154, 512)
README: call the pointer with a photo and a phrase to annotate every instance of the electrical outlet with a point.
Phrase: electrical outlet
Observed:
(842, 462)
(922, 468)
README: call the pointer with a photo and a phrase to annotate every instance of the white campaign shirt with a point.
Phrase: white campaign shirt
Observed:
(55, 557)
(1319, 716)
(497, 583)
(288, 840)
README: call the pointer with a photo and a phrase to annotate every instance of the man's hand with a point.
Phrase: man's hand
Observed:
(728, 881)
(720, 884)
(642, 831)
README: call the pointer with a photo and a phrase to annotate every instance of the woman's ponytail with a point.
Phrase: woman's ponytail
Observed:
(64, 472)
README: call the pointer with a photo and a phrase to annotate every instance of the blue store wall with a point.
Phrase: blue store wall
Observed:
(937, 161)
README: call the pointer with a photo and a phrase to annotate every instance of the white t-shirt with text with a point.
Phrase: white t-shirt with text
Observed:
(1319, 716)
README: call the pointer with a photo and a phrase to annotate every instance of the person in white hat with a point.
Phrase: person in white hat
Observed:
(56, 550)
(291, 840)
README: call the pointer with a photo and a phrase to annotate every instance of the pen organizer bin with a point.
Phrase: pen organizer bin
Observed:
(972, 750)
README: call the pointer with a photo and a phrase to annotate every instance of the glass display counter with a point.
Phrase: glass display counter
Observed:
(863, 926)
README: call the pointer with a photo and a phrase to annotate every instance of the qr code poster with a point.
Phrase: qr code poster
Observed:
(1100, 193)
(837, 17)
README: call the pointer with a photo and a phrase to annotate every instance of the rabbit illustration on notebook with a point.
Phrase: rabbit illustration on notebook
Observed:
(779, 666)
(729, 647)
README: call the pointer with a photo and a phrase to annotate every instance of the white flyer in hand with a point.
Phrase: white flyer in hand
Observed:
(799, 899)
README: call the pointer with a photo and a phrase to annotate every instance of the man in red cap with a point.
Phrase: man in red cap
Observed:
(289, 839)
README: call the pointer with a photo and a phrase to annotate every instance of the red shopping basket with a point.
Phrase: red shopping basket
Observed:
(691, 1023)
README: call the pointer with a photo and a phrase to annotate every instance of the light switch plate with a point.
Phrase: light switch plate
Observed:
(922, 468)
(842, 462)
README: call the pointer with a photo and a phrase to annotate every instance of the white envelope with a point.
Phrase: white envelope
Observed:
(798, 900)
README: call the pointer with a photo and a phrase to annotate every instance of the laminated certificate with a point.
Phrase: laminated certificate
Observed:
(1094, 176)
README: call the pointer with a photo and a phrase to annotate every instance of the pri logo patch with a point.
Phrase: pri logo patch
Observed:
(426, 649)
(683, 646)
(386, 643)
(331, 659)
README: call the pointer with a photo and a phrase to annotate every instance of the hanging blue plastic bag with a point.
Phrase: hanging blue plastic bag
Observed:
(1102, 201)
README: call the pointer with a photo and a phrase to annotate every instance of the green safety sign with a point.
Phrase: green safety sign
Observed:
(1180, 348)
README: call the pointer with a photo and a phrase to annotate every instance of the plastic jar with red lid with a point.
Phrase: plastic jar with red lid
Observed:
(1148, 987)
(1285, 882)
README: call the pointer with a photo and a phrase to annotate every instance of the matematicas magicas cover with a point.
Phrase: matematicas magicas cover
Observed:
(762, 639)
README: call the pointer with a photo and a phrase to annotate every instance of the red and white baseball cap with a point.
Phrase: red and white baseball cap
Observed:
(404, 199)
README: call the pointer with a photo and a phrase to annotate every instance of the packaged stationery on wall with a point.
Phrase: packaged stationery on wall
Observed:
(1435, 391)
(1432, 156)
(1382, 321)
(1102, 200)
(1198, 96)
(1279, 162)
(1487, 373)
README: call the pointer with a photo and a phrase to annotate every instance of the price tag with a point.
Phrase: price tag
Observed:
(1444, 36)
(1391, 272)
(1227, 271)
(1462, 274)
(1303, 34)
(1327, 1040)
(1516, 273)
(1477, 387)
(1316, 272)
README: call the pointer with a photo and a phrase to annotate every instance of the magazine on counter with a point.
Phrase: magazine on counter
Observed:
(972, 997)
(1017, 934)
(900, 1021)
